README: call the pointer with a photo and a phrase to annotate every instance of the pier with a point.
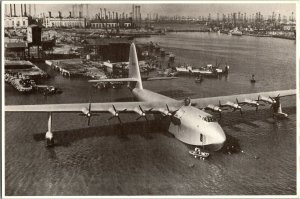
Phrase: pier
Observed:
(77, 67)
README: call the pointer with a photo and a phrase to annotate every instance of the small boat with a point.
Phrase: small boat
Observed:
(199, 79)
(199, 154)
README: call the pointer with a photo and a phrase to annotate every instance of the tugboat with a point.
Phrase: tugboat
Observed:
(199, 79)
(197, 153)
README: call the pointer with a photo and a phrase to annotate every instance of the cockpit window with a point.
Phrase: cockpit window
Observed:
(209, 119)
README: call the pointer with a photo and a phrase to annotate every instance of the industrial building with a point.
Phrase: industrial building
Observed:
(111, 19)
(114, 50)
(12, 20)
(60, 21)
(111, 23)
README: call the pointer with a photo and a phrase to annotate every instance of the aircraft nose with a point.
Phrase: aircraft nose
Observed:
(219, 137)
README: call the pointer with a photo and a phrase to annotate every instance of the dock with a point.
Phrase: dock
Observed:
(24, 68)
(77, 67)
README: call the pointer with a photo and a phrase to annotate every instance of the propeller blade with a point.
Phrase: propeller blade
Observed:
(138, 118)
(167, 108)
(114, 108)
(90, 106)
(89, 121)
(141, 109)
(241, 112)
(120, 120)
(256, 108)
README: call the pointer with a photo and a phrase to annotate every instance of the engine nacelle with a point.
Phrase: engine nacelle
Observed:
(213, 108)
(251, 102)
(86, 112)
(266, 99)
(233, 105)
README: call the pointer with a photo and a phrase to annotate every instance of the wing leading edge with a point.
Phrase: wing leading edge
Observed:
(204, 102)
(97, 107)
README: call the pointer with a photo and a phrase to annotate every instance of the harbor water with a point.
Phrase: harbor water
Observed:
(142, 159)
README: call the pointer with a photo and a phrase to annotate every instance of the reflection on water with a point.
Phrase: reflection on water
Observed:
(141, 158)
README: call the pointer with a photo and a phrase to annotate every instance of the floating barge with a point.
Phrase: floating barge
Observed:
(25, 69)
(21, 84)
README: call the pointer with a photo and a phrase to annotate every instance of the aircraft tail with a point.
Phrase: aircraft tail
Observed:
(134, 69)
(134, 76)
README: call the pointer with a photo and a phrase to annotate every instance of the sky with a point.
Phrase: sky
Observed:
(181, 9)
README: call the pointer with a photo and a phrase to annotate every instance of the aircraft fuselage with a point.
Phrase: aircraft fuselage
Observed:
(196, 127)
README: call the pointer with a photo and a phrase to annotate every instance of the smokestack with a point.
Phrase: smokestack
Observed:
(123, 15)
(80, 15)
(14, 10)
(50, 15)
(10, 10)
(113, 15)
(126, 16)
(105, 17)
(25, 12)
(29, 10)
(21, 10)
(136, 13)
(59, 14)
(87, 10)
(70, 14)
(139, 14)
(133, 6)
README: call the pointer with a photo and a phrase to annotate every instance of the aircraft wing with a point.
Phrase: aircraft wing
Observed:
(115, 80)
(137, 107)
(204, 102)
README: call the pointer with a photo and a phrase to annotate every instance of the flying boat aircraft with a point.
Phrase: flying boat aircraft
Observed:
(189, 122)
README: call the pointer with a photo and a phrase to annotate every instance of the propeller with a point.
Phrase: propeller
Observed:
(276, 103)
(238, 107)
(143, 114)
(116, 114)
(89, 114)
